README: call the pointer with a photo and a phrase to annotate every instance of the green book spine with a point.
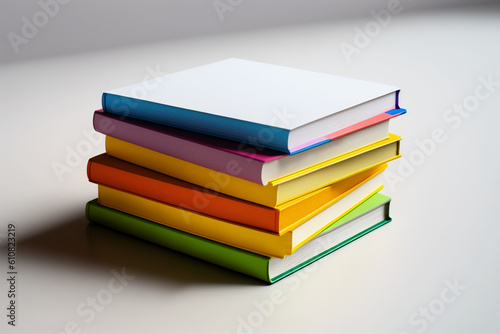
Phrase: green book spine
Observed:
(226, 256)
(230, 257)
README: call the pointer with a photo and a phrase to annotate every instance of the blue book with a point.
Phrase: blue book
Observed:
(281, 108)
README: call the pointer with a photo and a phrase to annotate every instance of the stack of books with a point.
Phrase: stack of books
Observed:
(255, 167)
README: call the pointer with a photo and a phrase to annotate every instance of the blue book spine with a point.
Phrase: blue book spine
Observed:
(224, 127)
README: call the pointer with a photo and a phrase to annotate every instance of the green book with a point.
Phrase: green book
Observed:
(369, 215)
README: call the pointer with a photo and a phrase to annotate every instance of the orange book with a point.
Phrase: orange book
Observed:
(115, 173)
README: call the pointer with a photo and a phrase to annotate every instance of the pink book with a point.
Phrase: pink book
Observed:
(252, 163)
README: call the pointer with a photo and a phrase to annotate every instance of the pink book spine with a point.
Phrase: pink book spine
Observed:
(200, 153)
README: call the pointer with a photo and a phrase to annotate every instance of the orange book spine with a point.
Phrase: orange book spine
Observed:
(118, 174)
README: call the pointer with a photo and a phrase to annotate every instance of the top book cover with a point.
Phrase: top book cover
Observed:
(281, 108)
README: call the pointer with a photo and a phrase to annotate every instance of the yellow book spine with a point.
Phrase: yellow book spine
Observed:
(239, 236)
(202, 176)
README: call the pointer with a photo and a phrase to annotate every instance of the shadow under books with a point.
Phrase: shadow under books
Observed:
(76, 242)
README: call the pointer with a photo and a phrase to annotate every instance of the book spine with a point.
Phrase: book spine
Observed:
(226, 256)
(192, 173)
(223, 127)
(203, 155)
(229, 233)
(142, 182)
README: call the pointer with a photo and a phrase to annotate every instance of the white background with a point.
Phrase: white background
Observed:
(444, 225)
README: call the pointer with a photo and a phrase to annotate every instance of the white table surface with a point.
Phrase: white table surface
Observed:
(444, 230)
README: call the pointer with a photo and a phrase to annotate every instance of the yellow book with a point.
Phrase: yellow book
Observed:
(277, 191)
(237, 235)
